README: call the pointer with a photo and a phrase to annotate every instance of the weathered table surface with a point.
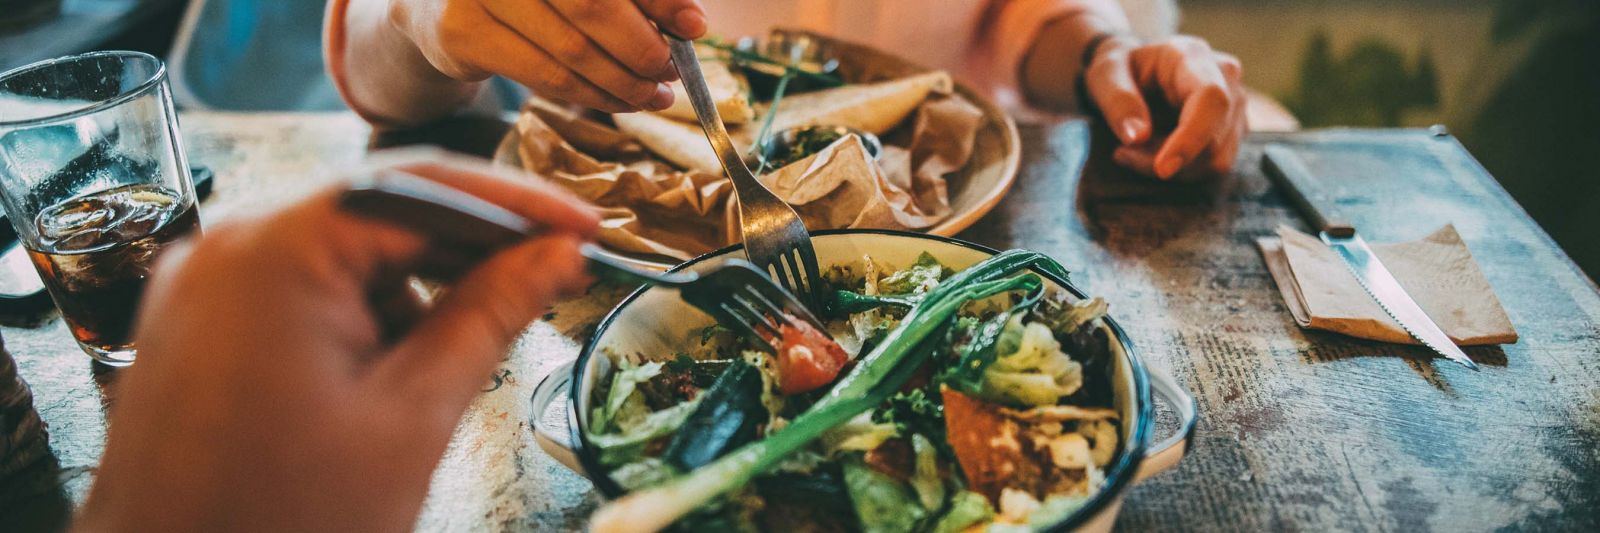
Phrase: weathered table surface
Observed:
(1299, 430)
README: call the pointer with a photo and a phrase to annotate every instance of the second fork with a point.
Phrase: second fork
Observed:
(774, 237)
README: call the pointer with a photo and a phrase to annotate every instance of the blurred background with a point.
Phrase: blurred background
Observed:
(1517, 81)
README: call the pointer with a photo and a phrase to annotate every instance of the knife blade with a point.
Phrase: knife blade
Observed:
(1320, 209)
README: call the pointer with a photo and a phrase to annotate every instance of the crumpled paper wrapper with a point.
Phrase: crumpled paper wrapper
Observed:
(653, 208)
(1437, 271)
(647, 206)
(842, 187)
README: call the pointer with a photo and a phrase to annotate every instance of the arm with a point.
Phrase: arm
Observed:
(1048, 70)
(1133, 84)
(403, 62)
(393, 84)
(326, 413)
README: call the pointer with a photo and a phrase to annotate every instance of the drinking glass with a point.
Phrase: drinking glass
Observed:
(94, 180)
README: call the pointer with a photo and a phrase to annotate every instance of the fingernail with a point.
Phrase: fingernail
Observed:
(1131, 128)
(661, 100)
(668, 73)
(690, 23)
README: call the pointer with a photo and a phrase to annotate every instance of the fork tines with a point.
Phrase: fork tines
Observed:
(742, 297)
(755, 312)
(796, 270)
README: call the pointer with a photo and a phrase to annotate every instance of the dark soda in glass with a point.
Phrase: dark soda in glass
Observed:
(95, 253)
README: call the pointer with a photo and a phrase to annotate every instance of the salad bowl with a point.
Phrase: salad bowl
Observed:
(655, 321)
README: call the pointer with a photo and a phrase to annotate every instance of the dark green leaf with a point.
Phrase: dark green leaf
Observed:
(980, 351)
(729, 415)
(846, 303)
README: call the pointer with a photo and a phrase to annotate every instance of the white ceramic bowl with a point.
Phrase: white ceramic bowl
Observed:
(655, 321)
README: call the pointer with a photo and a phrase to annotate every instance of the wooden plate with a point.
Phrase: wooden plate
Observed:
(974, 190)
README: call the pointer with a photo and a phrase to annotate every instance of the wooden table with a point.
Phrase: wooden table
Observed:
(1299, 430)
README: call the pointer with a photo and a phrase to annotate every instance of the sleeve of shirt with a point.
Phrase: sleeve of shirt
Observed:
(1009, 28)
(1012, 26)
(333, 55)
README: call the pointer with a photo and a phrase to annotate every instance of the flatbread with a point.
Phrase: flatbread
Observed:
(681, 143)
(646, 206)
(725, 90)
(874, 107)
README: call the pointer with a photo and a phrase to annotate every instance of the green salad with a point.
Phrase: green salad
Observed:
(936, 401)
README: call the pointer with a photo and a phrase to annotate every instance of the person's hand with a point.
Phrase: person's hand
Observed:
(603, 54)
(267, 395)
(1182, 75)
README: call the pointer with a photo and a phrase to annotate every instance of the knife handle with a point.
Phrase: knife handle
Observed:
(1314, 200)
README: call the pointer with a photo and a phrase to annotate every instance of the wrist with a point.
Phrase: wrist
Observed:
(395, 30)
(1102, 45)
(1063, 49)
(389, 79)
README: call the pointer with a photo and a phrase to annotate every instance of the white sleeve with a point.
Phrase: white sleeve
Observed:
(1152, 19)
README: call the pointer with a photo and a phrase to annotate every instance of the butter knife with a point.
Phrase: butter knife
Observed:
(1318, 206)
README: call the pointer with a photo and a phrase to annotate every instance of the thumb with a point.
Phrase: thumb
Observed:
(446, 357)
(1110, 83)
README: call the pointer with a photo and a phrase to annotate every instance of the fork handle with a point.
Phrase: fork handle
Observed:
(471, 225)
(687, 62)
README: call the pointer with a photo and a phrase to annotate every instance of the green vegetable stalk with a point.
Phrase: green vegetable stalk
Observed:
(826, 80)
(877, 376)
(846, 303)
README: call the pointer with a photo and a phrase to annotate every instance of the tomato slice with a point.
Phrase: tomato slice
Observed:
(807, 358)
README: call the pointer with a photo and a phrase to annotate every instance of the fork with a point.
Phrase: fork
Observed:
(736, 294)
(774, 237)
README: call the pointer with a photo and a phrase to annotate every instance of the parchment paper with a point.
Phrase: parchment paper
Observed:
(662, 188)
(1437, 271)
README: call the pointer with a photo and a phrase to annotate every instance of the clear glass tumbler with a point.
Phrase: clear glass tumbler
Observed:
(95, 182)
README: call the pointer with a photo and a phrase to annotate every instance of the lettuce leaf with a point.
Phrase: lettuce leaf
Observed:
(882, 504)
(860, 434)
(645, 472)
(617, 411)
(921, 276)
(628, 445)
(1036, 372)
(967, 509)
(1000, 334)
(925, 479)
(1054, 510)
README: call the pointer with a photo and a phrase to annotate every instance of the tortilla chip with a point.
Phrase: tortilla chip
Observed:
(987, 445)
